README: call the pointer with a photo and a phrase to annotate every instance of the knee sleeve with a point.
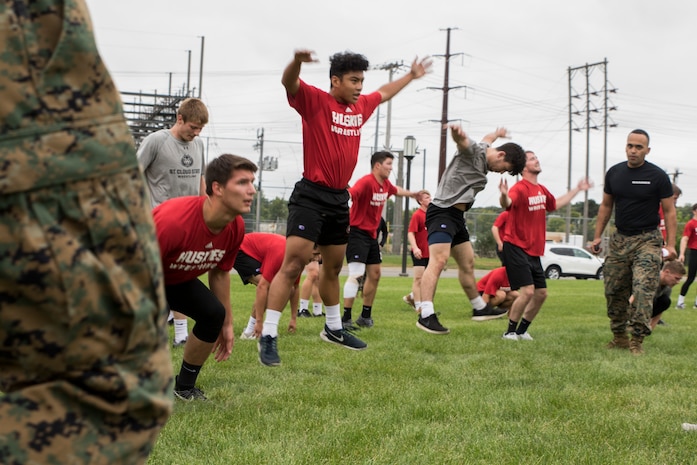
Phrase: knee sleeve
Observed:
(356, 271)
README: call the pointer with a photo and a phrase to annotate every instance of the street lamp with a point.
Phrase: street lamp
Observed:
(409, 154)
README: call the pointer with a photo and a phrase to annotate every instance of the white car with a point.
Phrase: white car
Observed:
(567, 260)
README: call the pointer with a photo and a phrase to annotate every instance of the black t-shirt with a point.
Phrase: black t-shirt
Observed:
(637, 193)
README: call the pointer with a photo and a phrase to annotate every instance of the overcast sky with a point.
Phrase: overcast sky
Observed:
(510, 67)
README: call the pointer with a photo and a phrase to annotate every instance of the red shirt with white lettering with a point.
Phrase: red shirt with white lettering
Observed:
(417, 225)
(526, 226)
(187, 247)
(493, 281)
(368, 199)
(268, 249)
(331, 133)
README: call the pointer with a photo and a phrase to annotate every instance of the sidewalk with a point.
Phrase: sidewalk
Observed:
(392, 271)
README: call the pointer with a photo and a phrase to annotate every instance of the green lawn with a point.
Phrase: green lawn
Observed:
(465, 398)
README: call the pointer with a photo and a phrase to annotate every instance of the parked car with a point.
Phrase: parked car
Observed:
(567, 260)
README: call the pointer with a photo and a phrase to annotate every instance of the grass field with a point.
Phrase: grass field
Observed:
(465, 398)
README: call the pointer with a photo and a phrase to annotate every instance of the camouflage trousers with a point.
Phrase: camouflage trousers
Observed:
(84, 363)
(632, 267)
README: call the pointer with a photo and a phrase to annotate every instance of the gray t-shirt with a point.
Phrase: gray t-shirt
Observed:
(172, 168)
(464, 177)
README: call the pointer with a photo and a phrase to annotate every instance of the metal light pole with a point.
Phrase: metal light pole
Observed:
(409, 153)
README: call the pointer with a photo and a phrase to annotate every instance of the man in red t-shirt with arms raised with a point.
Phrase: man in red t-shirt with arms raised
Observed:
(198, 235)
(527, 203)
(368, 197)
(318, 207)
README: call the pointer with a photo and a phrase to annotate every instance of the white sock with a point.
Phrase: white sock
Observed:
(250, 325)
(417, 304)
(478, 303)
(304, 304)
(181, 330)
(333, 317)
(316, 309)
(271, 323)
(426, 309)
(170, 317)
(681, 299)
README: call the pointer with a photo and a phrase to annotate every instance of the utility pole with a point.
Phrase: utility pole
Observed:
(259, 146)
(444, 113)
(200, 69)
(397, 211)
(675, 175)
(590, 98)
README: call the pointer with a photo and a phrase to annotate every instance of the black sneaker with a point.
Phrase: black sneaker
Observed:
(342, 337)
(268, 352)
(430, 324)
(188, 395)
(364, 322)
(348, 325)
(304, 313)
(488, 313)
(181, 343)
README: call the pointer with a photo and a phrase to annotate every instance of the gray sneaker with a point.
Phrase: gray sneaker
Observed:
(342, 337)
(268, 352)
(364, 322)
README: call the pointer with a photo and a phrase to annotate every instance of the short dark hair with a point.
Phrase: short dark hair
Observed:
(643, 133)
(694, 206)
(220, 170)
(379, 157)
(345, 62)
(515, 155)
(675, 267)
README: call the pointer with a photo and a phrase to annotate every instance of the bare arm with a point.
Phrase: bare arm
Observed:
(583, 185)
(492, 136)
(412, 242)
(291, 75)
(683, 248)
(604, 213)
(461, 139)
(670, 217)
(504, 199)
(418, 69)
(497, 237)
(219, 282)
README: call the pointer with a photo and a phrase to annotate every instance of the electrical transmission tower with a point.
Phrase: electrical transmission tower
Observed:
(592, 113)
(444, 113)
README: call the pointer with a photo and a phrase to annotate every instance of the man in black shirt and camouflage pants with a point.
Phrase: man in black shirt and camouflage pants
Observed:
(635, 188)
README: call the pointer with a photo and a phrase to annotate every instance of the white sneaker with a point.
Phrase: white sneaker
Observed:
(510, 336)
(247, 337)
(525, 337)
(680, 306)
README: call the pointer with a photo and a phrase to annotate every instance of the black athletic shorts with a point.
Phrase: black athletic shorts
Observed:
(195, 300)
(449, 220)
(522, 269)
(246, 266)
(318, 213)
(419, 261)
(362, 248)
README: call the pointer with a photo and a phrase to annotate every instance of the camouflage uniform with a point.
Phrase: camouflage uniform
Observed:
(84, 364)
(633, 266)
